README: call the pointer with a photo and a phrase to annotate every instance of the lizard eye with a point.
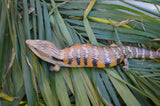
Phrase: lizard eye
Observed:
(35, 49)
(56, 59)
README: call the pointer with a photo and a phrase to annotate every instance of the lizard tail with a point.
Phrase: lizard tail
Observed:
(134, 52)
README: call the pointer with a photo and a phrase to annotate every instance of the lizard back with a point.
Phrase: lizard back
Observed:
(87, 55)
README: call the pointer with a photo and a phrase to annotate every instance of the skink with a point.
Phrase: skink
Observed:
(87, 55)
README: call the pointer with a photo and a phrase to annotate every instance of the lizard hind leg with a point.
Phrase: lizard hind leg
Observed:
(126, 64)
(55, 68)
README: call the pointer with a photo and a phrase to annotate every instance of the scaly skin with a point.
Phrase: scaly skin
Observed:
(86, 55)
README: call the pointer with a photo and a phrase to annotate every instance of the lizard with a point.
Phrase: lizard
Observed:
(87, 55)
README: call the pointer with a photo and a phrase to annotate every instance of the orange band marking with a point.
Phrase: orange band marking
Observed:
(113, 57)
(82, 56)
(89, 60)
(75, 48)
(100, 63)
(66, 51)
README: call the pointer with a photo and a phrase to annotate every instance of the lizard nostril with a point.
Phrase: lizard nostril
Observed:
(28, 42)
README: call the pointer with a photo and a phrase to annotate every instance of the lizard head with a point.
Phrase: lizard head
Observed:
(43, 49)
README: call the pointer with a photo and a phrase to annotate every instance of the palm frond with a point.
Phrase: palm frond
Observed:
(25, 79)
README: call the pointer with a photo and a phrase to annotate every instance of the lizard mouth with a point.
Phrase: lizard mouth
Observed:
(29, 41)
(32, 42)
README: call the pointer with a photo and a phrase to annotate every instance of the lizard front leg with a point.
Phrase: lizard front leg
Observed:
(55, 68)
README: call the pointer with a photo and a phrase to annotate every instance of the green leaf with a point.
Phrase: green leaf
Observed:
(122, 89)
(66, 23)
(61, 89)
(102, 90)
(89, 88)
(28, 78)
(40, 20)
(109, 87)
(45, 87)
(79, 88)
(62, 25)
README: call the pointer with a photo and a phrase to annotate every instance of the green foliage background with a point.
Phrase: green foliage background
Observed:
(27, 80)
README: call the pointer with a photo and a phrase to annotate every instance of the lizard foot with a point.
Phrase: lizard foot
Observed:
(126, 64)
(113, 45)
(126, 68)
(55, 68)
